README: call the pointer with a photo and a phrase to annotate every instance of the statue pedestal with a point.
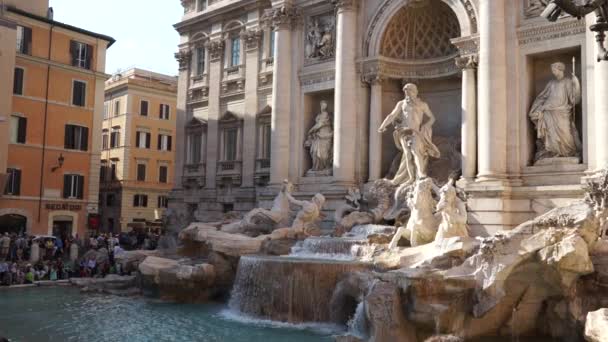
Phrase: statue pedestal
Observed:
(321, 173)
(558, 161)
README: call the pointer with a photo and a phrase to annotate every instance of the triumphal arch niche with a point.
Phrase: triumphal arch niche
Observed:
(418, 42)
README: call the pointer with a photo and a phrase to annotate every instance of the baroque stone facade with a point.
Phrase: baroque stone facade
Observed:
(478, 64)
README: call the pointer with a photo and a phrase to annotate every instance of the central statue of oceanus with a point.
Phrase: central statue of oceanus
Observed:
(413, 136)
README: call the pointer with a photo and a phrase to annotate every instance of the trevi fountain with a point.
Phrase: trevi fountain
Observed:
(409, 198)
(438, 248)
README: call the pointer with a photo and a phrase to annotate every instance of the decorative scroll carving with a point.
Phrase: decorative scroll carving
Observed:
(252, 39)
(320, 37)
(183, 57)
(216, 49)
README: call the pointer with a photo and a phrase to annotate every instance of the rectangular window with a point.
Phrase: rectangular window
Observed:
(103, 172)
(76, 138)
(271, 43)
(18, 130)
(163, 202)
(164, 142)
(236, 51)
(163, 174)
(200, 61)
(143, 139)
(115, 139)
(13, 183)
(143, 108)
(113, 171)
(141, 172)
(164, 111)
(24, 40)
(18, 81)
(81, 54)
(230, 144)
(106, 110)
(267, 132)
(117, 108)
(201, 5)
(194, 148)
(73, 186)
(105, 141)
(79, 93)
(110, 200)
(140, 201)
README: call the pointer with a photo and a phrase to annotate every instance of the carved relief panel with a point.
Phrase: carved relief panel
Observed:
(320, 38)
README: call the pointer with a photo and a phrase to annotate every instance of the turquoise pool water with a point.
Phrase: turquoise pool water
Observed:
(64, 314)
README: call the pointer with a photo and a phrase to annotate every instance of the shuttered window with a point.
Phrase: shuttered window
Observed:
(143, 108)
(114, 139)
(162, 202)
(163, 174)
(79, 93)
(164, 142)
(18, 130)
(142, 139)
(164, 111)
(18, 81)
(141, 172)
(82, 54)
(76, 138)
(24, 40)
(13, 184)
(73, 186)
(140, 201)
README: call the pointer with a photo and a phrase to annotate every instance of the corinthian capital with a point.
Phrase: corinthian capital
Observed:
(251, 38)
(284, 17)
(183, 58)
(216, 49)
(467, 62)
(345, 5)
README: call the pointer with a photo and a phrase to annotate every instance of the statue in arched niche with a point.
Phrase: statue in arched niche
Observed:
(320, 141)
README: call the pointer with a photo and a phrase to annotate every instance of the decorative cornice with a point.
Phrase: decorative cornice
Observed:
(216, 49)
(183, 57)
(467, 45)
(467, 62)
(396, 69)
(252, 39)
(563, 28)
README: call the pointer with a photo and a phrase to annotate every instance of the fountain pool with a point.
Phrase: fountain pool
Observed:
(64, 314)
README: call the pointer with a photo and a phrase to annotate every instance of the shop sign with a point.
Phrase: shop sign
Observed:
(63, 206)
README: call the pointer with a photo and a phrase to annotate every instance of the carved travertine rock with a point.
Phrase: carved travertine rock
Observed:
(553, 116)
(263, 221)
(596, 327)
(413, 136)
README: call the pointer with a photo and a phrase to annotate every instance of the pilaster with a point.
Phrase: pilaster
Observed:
(251, 39)
(216, 53)
(183, 57)
(375, 138)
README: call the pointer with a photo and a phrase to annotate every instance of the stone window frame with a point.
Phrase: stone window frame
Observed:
(230, 121)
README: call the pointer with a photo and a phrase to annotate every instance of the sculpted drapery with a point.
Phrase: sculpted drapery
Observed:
(553, 116)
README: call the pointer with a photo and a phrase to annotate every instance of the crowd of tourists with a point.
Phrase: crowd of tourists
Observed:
(27, 259)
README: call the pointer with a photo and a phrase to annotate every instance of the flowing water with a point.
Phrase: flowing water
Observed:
(64, 314)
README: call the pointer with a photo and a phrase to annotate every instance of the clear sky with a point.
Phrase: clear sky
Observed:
(143, 30)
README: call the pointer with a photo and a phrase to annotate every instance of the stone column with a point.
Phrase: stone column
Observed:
(216, 52)
(183, 57)
(282, 20)
(469, 116)
(492, 116)
(375, 138)
(345, 111)
(251, 40)
(601, 104)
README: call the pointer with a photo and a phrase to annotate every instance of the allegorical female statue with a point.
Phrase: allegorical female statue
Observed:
(320, 141)
(553, 116)
(413, 136)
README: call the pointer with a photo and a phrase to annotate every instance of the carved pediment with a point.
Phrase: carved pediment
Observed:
(229, 116)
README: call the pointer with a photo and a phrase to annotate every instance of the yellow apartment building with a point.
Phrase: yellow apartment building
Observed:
(138, 149)
(51, 111)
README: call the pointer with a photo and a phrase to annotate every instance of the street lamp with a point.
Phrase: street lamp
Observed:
(579, 9)
(60, 161)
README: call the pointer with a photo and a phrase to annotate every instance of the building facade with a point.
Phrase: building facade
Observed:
(138, 154)
(479, 64)
(51, 146)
